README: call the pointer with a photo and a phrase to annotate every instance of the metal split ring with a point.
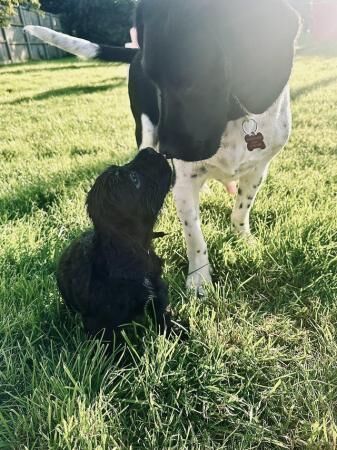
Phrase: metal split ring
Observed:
(249, 126)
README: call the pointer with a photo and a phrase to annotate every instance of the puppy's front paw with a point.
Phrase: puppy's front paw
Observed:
(198, 281)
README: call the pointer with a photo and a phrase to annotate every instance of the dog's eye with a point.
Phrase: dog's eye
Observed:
(134, 177)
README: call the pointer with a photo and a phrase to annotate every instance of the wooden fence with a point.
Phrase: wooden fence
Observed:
(16, 46)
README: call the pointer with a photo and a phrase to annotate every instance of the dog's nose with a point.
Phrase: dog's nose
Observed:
(150, 151)
(166, 153)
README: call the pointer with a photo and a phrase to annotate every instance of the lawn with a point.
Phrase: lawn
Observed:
(259, 369)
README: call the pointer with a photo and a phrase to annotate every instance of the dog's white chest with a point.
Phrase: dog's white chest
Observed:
(234, 159)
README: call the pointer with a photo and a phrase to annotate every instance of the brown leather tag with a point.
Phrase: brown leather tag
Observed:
(255, 141)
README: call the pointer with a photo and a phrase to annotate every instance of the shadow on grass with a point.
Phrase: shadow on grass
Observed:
(222, 214)
(45, 193)
(72, 66)
(71, 90)
(296, 94)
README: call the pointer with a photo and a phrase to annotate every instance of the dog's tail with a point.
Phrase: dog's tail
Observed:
(81, 47)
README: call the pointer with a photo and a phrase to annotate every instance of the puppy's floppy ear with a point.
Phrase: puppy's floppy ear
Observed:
(99, 199)
(259, 38)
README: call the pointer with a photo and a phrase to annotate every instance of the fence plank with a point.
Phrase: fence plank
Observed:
(7, 44)
(5, 53)
(26, 37)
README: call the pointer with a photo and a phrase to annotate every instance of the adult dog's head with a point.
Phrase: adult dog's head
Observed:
(213, 61)
(125, 200)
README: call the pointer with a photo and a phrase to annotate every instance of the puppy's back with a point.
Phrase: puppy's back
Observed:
(90, 286)
(74, 272)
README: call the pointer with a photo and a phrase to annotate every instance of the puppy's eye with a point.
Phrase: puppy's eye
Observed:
(134, 177)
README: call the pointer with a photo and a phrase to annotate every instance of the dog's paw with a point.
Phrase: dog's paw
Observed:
(198, 281)
(250, 240)
(247, 239)
(244, 235)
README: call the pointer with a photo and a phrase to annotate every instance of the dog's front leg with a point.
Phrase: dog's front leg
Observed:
(249, 186)
(186, 194)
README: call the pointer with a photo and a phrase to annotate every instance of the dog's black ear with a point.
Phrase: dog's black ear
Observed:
(140, 23)
(260, 39)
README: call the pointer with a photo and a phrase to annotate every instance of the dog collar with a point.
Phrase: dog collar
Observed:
(159, 234)
(253, 139)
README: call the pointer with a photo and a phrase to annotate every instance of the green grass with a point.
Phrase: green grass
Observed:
(259, 370)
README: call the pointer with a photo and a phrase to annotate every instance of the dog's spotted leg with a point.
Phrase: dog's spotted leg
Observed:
(249, 186)
(186, 194)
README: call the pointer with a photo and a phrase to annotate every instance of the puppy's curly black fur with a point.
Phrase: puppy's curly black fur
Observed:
(111, 274)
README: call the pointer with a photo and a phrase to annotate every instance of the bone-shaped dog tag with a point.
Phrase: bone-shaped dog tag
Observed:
(253, 139)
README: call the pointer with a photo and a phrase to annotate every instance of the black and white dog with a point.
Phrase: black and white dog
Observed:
(208, 87)
(111, 275)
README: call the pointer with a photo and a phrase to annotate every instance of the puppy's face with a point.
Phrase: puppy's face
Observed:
(127, 199)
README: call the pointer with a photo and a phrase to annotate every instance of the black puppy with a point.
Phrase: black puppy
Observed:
(110, 275)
